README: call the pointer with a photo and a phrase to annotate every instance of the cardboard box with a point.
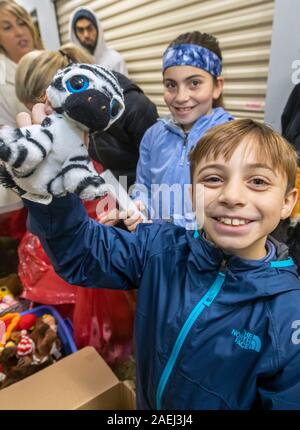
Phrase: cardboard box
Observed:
(81, 380)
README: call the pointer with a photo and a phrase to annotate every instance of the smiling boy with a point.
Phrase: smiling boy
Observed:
(217, 309)
(248, 184)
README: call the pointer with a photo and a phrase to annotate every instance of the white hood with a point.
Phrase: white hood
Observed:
(103, 55)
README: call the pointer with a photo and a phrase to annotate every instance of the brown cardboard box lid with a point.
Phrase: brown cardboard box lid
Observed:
(81, 380)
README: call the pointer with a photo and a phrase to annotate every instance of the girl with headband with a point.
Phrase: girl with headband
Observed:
(193, 86)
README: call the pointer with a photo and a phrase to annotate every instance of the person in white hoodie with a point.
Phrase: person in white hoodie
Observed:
(85, 30)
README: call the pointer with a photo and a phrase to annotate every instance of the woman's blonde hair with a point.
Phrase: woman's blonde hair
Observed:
(22, 14)
(37, 68)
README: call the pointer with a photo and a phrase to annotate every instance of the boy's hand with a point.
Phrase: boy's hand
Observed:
(109, 218)
(131, 219)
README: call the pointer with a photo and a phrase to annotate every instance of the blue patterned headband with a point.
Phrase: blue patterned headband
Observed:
(187, 54)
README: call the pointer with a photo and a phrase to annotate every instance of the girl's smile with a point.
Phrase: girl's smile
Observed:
(189, 93)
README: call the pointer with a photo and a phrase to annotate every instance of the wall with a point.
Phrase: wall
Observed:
(141, 30)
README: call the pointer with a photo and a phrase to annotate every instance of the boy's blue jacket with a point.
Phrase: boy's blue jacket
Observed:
(209, 333)
(164, 159)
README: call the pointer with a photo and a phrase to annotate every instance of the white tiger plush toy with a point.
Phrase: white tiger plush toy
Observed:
(51, 159)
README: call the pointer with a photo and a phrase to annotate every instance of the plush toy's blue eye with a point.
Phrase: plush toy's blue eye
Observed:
(77, 84)
(114, 108)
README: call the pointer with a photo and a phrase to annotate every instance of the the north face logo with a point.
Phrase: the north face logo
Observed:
(247, 340)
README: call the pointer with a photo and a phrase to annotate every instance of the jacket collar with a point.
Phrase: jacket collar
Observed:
(203, 122)
(245, 280)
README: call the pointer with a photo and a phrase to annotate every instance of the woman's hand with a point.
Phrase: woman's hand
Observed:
(38, 114)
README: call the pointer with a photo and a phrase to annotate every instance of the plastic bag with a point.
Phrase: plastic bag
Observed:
(104, 319)
(13, 224)
(12, 214)
(41, 283)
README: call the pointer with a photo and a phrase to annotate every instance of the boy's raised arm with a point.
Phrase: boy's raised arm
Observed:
(84, 252)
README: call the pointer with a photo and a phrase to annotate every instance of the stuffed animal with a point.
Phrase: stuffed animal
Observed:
(46, 341)
(51, 159)
(10, 289)
(15, 368)
(30, 351)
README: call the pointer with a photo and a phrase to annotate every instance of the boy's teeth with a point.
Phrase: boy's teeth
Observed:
(232, 221)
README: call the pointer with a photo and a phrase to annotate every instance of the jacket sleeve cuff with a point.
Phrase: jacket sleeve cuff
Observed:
(62, 214)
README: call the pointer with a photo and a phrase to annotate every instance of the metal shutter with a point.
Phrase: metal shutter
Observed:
(141, 29)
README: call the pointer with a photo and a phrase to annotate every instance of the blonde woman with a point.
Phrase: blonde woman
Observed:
(18, 36)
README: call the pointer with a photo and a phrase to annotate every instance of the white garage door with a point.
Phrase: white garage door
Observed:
(141, 29)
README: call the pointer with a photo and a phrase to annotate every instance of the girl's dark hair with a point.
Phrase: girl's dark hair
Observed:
(207, 41)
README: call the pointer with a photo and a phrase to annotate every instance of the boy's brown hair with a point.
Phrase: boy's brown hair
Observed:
(270, 146)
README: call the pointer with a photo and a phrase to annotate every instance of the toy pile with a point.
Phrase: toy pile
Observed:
(27, 344)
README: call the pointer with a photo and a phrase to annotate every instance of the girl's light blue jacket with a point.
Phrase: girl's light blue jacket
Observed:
(164, 163)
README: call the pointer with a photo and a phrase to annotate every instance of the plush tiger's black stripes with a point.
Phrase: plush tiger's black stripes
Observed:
(65, 170)
(5, 151)
(48, 133)
(22, 154)
(41, 148)
(27, 134)
(7, 181)
(50, 183)
(57, 84)
(101, 74)
(74, 166)
(18, 133)
(22, 175)
(46, 122)
(80, 158)
(103, 70)
(90, 180)
(59, 110)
